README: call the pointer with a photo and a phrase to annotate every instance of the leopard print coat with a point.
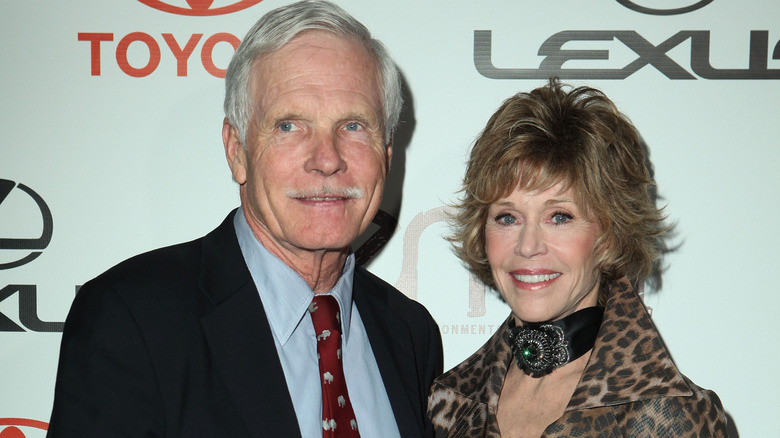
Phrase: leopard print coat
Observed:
(630, 386)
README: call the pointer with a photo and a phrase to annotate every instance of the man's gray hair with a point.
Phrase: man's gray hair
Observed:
(277, 28)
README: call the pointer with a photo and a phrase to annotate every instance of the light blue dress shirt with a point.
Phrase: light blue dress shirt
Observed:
(286, 297)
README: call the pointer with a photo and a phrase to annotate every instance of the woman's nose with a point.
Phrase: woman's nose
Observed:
(530, 242)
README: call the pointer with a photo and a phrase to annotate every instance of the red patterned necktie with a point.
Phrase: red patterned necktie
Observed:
(338, 419)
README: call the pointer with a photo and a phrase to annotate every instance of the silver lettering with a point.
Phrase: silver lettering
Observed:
(555, 56)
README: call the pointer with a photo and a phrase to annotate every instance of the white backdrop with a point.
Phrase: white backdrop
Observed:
(128, 159)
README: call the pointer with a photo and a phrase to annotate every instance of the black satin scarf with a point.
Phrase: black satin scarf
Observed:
(540, 348)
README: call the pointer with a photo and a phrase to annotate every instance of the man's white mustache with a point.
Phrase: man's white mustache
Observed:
(327, 192)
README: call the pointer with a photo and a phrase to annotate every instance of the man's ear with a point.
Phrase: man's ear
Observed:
(389, 152)
(234, 151)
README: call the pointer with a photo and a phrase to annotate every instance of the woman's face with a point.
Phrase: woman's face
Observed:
(540, 248)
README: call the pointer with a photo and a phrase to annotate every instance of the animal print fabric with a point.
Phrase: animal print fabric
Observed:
(630, 386)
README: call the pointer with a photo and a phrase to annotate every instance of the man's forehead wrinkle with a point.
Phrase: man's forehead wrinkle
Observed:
(315, 98)
(308, 48)
(269, 69)
(290, 83)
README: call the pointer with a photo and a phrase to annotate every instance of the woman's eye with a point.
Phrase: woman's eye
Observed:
(561, 218)
(505, 219)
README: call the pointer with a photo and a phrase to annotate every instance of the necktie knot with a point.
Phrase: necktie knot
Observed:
(325, 314)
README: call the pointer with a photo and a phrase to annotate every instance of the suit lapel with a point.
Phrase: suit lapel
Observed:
(240, 339)
(392, 346)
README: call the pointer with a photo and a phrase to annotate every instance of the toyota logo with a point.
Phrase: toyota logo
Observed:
(635, 6)
(22, 428)
(201, 8)
(32, 247)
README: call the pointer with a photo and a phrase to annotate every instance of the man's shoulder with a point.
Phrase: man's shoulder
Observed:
(168, 264)
(153, 289)
(177, 264)
(374, 287)
(388, 310)
(170, 273)
(388, 304)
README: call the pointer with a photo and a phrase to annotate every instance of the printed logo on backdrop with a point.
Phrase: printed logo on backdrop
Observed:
(22, 428)
(24, 249)
(200, 7)
(649, 54)
(408, 279)
(651, 10)
(18, 251)
(139, 54)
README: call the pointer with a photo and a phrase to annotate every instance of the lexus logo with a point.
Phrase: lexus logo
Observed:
(685, 6)
(30, 247)
(201, 8)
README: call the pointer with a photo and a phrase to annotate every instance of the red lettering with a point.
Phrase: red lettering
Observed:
(154, 54)
(182, 55)
(207, 53)
(95, 39)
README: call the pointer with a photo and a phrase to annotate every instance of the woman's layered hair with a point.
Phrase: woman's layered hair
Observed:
(578, 138)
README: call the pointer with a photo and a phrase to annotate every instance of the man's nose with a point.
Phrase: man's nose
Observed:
(325, 156)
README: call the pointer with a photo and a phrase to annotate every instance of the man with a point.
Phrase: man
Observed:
(215, 337)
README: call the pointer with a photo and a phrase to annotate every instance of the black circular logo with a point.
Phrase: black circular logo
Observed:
(674, 11)
(31, 247)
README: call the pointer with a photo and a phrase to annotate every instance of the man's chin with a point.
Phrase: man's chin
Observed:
(319, 243)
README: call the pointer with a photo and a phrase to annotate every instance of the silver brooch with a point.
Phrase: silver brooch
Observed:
(538, 351)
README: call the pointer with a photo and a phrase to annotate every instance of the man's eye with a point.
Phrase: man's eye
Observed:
(287, 126)
(352, 126)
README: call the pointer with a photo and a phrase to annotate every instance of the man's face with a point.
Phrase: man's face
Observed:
(314, 169)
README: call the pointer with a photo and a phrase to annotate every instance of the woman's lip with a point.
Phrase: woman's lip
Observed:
(533, 279)
(534, 271)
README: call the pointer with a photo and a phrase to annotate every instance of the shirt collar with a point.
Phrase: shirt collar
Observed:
(285, 294)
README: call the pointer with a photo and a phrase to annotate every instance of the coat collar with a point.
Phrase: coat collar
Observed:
(630, 361)
(391, 344)
(240, 339)
(244, 353)
(614, 369)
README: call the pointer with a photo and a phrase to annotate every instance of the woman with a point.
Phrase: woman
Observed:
(556, 215)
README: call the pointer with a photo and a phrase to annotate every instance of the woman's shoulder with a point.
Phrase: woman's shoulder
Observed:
(705, 404)
(474, 373)
(699, 414)
(459, 399)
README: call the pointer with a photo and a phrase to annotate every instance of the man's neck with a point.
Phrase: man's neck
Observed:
(320, 269)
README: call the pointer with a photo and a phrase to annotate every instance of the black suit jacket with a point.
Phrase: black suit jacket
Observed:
(175, 343)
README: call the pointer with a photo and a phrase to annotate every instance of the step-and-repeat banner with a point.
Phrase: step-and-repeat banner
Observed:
(110, 145)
